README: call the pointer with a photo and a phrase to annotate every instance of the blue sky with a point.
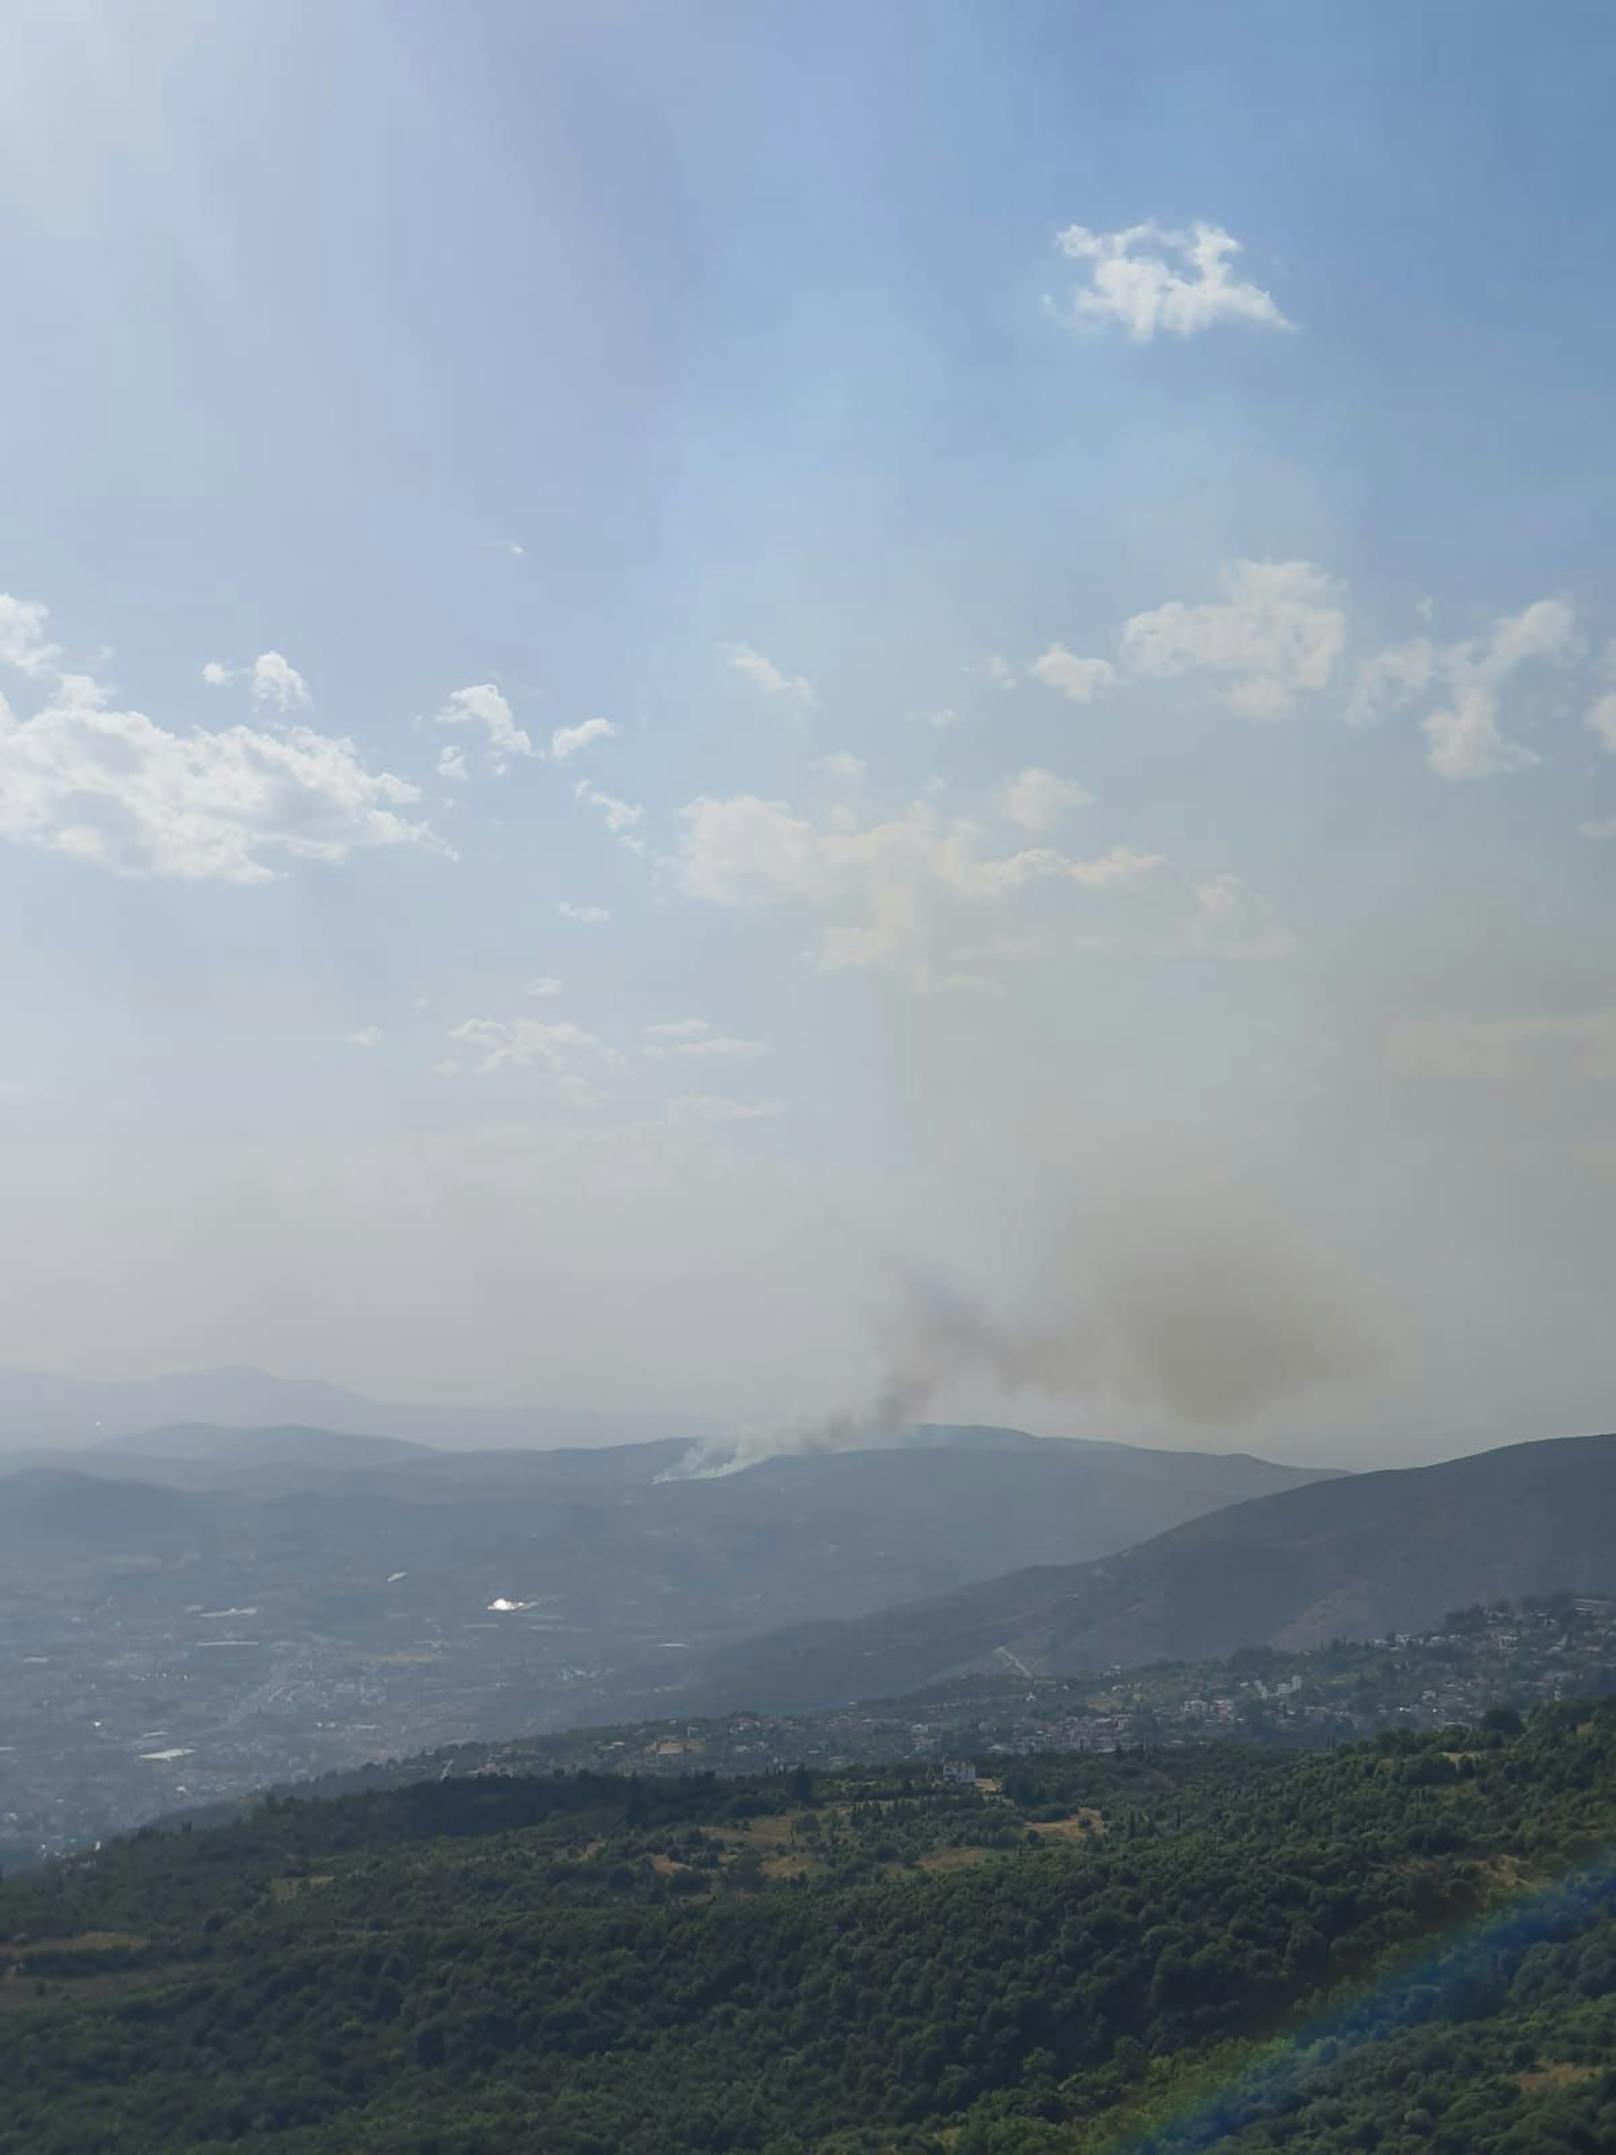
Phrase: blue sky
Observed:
(1108, 744)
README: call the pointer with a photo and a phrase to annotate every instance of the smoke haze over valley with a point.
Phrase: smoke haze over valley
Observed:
(938, 821)
(807, 1022)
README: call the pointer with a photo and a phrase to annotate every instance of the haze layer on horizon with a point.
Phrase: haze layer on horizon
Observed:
(765, 713)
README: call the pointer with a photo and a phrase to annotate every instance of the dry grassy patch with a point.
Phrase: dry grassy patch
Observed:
(288, 1889)
(1547, 2078)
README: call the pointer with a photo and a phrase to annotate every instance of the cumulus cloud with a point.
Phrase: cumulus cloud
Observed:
(1390, 681)
(722, 1046)
(1275, 635)
(1228, 921)
(846, 769)
(1502, 1051)
(560, 1049)
(452, 765)
(483, 705)
(894, 894)
(23, 642)
(1148, 278)
(618, 816)
(586, 916)
(547, 985)
(368, 1036)
(1601, 720)
(1078, 679)
(678, 1029)
(1037, 799)
(1465, 740)
(706, 1111)
(115, 788)
(763, 673)
(567, 740)
(276, 682)
(939, 720)
(998, 669)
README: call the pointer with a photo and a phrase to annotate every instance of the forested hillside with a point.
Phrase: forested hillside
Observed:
(1357, 1557)
(1399, 1946)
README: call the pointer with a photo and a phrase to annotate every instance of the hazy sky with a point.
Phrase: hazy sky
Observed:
(705, 704)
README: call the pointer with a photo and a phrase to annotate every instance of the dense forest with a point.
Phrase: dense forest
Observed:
(1403, 1945)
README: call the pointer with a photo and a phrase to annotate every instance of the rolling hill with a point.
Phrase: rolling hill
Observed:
(875, 1961)
(1354, 1557)
(616, 1539)
(283, 1601)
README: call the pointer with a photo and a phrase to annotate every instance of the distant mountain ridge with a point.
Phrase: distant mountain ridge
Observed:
(609, 1557)
(1358, 1556)
(288, 1443)
(40, 1409)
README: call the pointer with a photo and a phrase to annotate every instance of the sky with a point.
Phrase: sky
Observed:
(755, 716)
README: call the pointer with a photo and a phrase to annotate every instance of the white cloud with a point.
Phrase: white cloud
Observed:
(678, 1029)
(1229, 921)
(483, 705)
(567, 740)
(560, 1049)
(1601, 720)
(275, 681)
(115, 788)
(704, 1110)
(998, 669)
(939, 720)
(618, 816)
(1078, 679)
(1601, 830)
(766, 675)
(1277, 633)
(23, 642)
(452, 765)
(1120, 869)
(1501, 1051)
(548, 985)
(1465, 740)
(1148, 278)
(587, 916)
(368, 1036)
(1037, 799)
(894, 893)
(515, 549)
(847, 769)
(1389, 681)
(720, 1045)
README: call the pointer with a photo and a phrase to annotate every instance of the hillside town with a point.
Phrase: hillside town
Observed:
(1505, 1656)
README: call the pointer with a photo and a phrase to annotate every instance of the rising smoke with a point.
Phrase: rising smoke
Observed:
(1208, 1311)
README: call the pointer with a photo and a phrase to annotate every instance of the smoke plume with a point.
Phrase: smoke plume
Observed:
(1208, 1312)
